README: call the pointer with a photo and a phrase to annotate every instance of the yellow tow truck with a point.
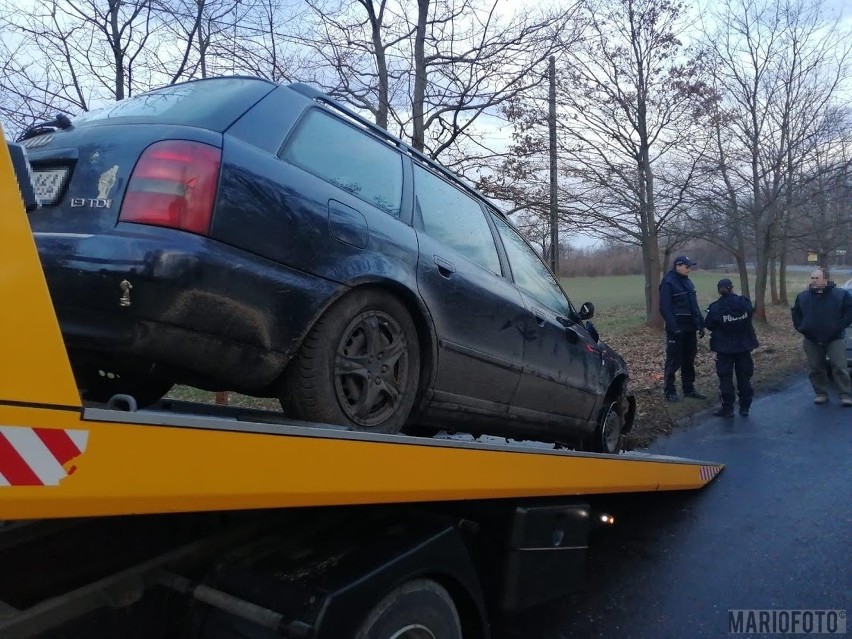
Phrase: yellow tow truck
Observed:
(189, 520)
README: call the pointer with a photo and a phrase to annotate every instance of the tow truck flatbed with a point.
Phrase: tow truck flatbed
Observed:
(161, 461)
(60, 458)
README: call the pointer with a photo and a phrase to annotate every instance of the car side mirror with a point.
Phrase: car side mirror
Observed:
(587, 311)
(593, 332)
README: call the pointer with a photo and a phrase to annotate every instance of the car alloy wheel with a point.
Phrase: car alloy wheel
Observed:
(359, 365)
(371, 368)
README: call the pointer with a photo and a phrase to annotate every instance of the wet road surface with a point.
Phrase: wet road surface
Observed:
(773, 531)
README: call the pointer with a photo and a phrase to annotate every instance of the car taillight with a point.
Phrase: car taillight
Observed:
(174, 184)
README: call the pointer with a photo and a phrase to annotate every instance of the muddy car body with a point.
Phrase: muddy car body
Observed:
(238, 234)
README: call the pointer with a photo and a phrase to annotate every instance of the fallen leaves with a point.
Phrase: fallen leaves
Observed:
(779, 354)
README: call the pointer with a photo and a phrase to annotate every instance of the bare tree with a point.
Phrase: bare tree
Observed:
(24, 95)
(190, 27)
(258, 39)
(780, 64)
(430, 70)
(631, 97)
(721, 212)
(65, 55)
(821, 219)
(356, 57)
(74, 51)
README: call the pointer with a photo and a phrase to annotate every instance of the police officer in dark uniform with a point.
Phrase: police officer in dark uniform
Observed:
(679, 308)
(732, 338)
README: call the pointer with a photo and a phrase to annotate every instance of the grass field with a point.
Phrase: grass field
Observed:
(620, 299)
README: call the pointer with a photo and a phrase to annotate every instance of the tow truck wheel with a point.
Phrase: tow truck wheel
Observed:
(607, 435)
(419, 609)
(358, 366)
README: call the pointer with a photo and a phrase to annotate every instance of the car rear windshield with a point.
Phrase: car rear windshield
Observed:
(214, 103)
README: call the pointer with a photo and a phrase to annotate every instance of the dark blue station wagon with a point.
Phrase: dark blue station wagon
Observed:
(237, 234)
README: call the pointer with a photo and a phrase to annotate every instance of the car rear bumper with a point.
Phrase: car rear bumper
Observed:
(188, 302)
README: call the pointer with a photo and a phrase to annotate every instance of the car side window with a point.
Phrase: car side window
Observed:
(455, 219)
(530, 273)
(348, 158)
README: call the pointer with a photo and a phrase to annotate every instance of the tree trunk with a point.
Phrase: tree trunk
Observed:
(651, 241)
(418, 136)
(761, 271)
(118, 54)
(383, 107)
(742, 268)
(773, 280)
(783, 298)
(202, 51)
(651, 264)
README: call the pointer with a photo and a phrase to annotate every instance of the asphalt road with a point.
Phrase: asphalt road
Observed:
(773, 531)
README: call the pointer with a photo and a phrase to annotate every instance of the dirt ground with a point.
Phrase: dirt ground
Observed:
(779, 355)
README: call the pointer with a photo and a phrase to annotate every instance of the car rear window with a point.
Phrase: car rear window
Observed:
(214, 103)
(348, 158)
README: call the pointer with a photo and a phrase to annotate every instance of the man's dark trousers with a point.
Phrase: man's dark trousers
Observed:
(681, 349)
(726, 365)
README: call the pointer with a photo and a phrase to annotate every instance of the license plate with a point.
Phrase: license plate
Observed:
(48, 185)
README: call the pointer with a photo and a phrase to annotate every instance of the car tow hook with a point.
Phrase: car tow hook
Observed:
(126, 287)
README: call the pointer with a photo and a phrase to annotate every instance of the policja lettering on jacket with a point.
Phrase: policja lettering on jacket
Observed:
(732, 338)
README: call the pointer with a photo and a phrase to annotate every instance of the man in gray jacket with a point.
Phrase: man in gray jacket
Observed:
(822, 313)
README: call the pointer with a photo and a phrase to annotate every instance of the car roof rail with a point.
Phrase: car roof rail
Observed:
(315, 94)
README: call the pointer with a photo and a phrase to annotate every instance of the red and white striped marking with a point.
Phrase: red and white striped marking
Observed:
(38, 456)
(706, 473)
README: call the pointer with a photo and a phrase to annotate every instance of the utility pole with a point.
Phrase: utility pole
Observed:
(551, 122)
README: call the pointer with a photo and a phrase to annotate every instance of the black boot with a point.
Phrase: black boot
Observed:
(744, 411)
(724, 411)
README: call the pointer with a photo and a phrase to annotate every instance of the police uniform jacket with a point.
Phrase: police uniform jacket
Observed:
(822, 315)
(679, 303)
(729, 319)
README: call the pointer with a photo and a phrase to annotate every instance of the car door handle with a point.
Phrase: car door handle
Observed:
(445, 268)
(540, 316)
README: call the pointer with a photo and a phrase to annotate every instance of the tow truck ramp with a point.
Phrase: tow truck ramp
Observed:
(59, 462)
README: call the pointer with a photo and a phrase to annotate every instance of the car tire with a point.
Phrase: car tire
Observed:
(419, 609)
(359, 365)
(607, 436)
